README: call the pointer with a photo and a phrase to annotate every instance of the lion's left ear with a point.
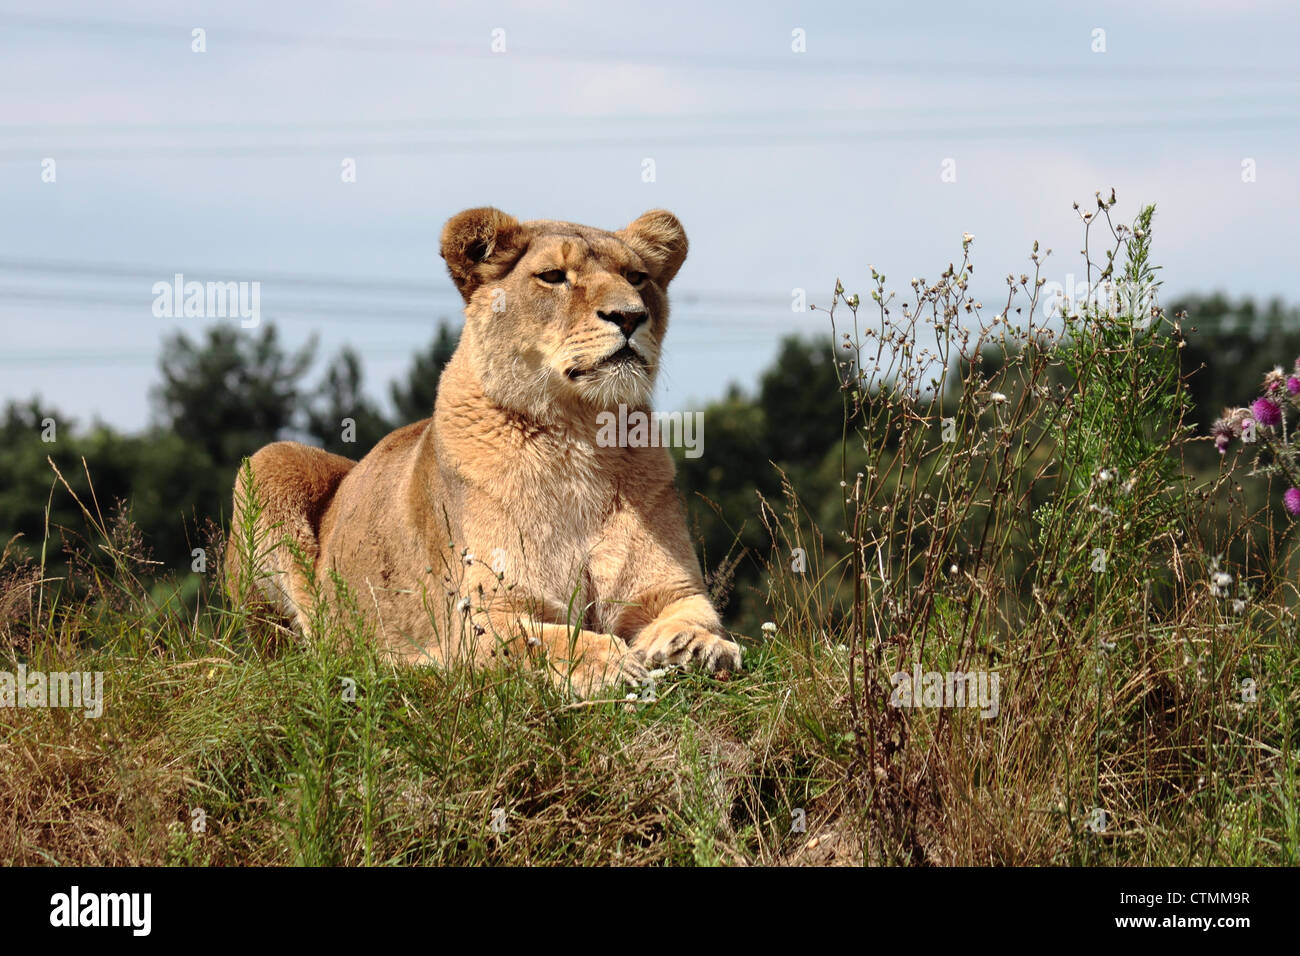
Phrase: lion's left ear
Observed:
(659, 239)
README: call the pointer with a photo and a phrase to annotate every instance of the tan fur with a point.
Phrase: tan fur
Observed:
(471, 534)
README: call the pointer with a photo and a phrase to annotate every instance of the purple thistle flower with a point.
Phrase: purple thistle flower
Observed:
(1223, 435)
(1233, 423)
(1293, 385)
(1267, 411)
(1292, 501)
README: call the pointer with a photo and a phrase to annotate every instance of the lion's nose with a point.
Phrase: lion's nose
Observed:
(625, 320)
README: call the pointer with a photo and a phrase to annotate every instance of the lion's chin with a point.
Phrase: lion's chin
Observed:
(612, 383)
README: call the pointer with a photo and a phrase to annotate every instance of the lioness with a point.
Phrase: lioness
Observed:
(504, 506)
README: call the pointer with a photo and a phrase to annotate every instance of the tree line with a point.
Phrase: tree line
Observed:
(224, 393)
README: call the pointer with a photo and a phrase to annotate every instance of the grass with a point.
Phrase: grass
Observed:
(211, 751)
(1030, 519)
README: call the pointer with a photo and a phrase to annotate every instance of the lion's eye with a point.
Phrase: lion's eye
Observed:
(553, 276)
(636, 278)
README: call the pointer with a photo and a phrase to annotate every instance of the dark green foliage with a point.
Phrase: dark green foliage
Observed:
(343, 418)
(231, 392)
(222, 396)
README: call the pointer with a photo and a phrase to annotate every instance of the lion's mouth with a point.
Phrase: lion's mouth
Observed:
(624, 356)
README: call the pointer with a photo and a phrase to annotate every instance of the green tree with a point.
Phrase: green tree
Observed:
(799, 398)
(342, 417)
(793, 423)
(229, 393)
(1230, 345)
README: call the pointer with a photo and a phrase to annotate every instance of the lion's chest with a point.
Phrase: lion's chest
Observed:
(537, 517)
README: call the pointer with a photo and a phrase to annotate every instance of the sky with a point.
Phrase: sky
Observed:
(799, 143)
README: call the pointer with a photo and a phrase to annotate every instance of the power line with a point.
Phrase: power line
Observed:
(73, 298)
(644, 141)
(358, 314)
(95, 358)
(712, 118)
(369, 285)
(787, 62)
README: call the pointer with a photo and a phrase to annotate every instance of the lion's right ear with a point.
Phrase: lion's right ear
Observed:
(479, 246)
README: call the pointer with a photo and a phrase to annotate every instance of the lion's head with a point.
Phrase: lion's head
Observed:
(560, 315)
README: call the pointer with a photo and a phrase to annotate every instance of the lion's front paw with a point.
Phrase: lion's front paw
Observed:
(599, 663)
(692, 645)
